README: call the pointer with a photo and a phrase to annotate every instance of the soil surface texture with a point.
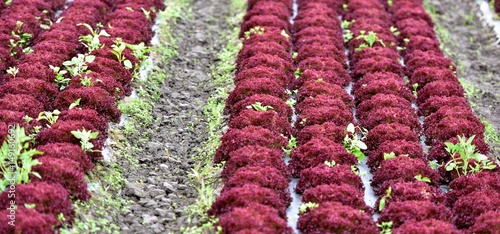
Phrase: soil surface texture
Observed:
(160, 188)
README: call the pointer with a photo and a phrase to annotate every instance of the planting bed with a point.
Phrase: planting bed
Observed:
(335, 104)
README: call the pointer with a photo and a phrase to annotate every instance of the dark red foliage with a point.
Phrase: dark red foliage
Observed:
(324, 64)
(319, 39)
(425, 75)
(402, 212)
(430, 226)
(447, 112)
(61, 132)
(323, 174)
(376, 64)
(497, 6)
(356, 29)
(21, 103)
(322, 51)
(42, 91)
(249, 231)
(380, 101)
(439, 153)
(358, 4)
(270, 48)
(252, 3)
(251, 87)
(269, 35)
(128, 34)
(44, 57)
(410, 191)
(326, 130)
(69, 151)
(316, 152)
(90, 98)
(63, 48)
(411, 32)
(254, 155)
(367, 13)
(389, 132)
(234, 139)
(387, 115)
(123, 13)
(467, 208)
(319, 101)
(261, 72)
(62, 171)
(319, 87)
(266, 60)
(372, 52)
(35, 70)
(343, 193)
(307, 14)
(318, 31)
(108, 83)
(266, 177)
(318, 20)
(244, 196)
(333, 217)
(440, 88)
(488, 222)
(382, 86)
(451, 127)
(106, 53)
(276, 103)
(413, 13)
(315, 4)
(388, 39)
(256, 217)
(27, 221)
(43, 195)
(264, 21)
(361, 22)
(15, 117)
(4, 131)
(422, 43)
(326, 76)
(61, 32)
(398, 147)
(275, 8)
(266, 119)
(419, 59)
(432, 104)
(320, 115)
(114, 69)
(88, 115)
(467, 184)
(410, 23)
(373, 77)
(404, 168)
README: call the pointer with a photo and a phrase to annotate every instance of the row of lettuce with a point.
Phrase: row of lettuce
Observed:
(400, 77)
(64, 67)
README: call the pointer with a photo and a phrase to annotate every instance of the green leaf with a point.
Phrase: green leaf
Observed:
(127, 64)
(381, 204)
(30, 206)
(450, 166)
(89, 58)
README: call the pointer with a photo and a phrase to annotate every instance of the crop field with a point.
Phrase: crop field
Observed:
(250, 116)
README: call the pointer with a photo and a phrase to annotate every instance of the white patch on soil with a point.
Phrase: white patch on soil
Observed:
(292, 212)
(487, 16)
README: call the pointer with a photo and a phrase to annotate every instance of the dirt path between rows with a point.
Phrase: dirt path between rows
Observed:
(472, 48)
(160, 187)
